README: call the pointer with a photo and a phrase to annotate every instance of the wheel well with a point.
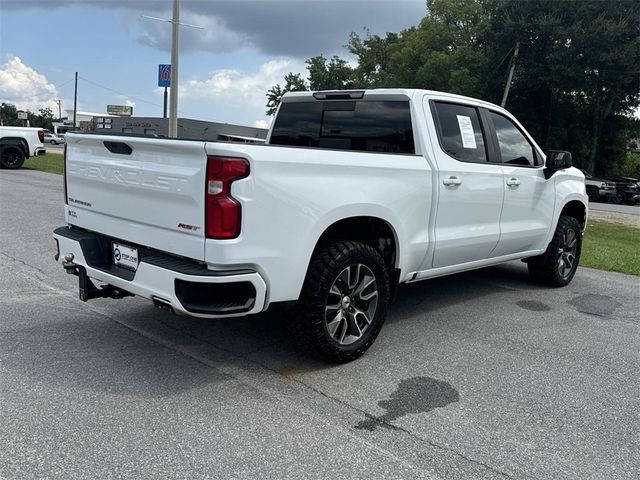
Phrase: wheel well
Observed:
(15, 142)
(577, 210)
(371, 231)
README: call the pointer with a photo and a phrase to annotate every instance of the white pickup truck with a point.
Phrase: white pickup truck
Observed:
(19, 143)
(354, 193)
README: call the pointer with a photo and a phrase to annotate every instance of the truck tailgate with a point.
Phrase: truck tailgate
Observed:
(146, 191)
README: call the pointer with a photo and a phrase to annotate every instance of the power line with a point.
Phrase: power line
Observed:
(119, 92)
(63, 84)
(131, 96)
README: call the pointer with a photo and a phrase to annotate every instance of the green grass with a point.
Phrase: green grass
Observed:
(611, 246)
(51, 162)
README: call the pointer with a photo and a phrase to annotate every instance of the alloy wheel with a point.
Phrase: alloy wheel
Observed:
(567, 253)
(351, 304)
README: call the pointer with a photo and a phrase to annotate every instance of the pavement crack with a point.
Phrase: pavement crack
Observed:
(390, 426)
(29, 266)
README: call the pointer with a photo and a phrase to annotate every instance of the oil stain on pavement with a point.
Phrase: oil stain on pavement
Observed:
(413, 395)
(533, 305)
(594, 304)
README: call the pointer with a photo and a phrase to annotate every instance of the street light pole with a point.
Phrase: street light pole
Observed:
(175, 32)
(173, 100)
(75, 102)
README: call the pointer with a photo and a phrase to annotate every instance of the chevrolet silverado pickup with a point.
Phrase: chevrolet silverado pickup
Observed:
(19, 143)
(354, 193)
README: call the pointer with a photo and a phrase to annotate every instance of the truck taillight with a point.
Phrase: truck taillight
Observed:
(41, 136)
(64, 173)
(223, 213)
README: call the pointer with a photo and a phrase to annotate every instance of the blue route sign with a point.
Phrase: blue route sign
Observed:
(164, 75)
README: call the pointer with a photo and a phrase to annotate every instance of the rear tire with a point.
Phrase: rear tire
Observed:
(618, 199)
(343, 303)
(558, 264)
(11, 157)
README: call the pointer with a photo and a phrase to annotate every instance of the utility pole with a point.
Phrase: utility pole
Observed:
(59, 102)
(173, 97)
(164, 108)
(75, 101)
(173, 100)
(510, 77)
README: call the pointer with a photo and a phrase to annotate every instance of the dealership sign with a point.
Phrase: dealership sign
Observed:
(124, 110)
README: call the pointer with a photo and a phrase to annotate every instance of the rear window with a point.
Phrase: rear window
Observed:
(364, 126)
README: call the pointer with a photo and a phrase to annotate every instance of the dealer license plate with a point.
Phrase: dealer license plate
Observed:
(125, 256)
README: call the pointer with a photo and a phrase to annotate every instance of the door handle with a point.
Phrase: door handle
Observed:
(452, 181)
(513, 182)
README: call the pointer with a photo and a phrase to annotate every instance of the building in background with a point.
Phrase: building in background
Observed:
(187, 128)
(84, 121)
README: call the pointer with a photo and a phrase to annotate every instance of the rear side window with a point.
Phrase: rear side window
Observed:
(363, 126)
(460, 132)
(515, 149)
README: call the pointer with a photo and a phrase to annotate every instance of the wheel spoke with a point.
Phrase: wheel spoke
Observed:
(366, 282)
(356, 331)
(345, 327)
(568, 258)
(363, 314)
(332, 307)
(333, 325)
(355, 278)
(345, 277)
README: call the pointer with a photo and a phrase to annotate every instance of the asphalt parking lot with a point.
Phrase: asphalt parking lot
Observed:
(476, 376)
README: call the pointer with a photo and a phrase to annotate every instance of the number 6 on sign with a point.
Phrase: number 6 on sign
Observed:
(164, 75)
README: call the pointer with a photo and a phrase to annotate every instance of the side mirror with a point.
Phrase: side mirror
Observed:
(557, 160)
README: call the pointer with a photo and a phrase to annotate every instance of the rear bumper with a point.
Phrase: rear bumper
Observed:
(39, 151)
(188, 287)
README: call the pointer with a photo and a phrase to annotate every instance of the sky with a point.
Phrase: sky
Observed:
(226, 68)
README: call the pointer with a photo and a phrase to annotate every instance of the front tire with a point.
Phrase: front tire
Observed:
(558, 264)
(343, 303)
(11, 157)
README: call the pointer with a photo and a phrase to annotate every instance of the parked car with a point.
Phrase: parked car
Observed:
(19, 143)
(627, 189)
(599, 189)
(355, 193)
(53, 138)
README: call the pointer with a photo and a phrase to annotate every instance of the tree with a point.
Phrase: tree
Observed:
(8, 114)
(577, 70)
(335, 74)
(293, 83)
(444, 52)
(576, 80)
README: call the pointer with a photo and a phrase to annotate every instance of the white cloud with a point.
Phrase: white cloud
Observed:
(24, 87)
(261, 123)
(129, 103)
(238, 88)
